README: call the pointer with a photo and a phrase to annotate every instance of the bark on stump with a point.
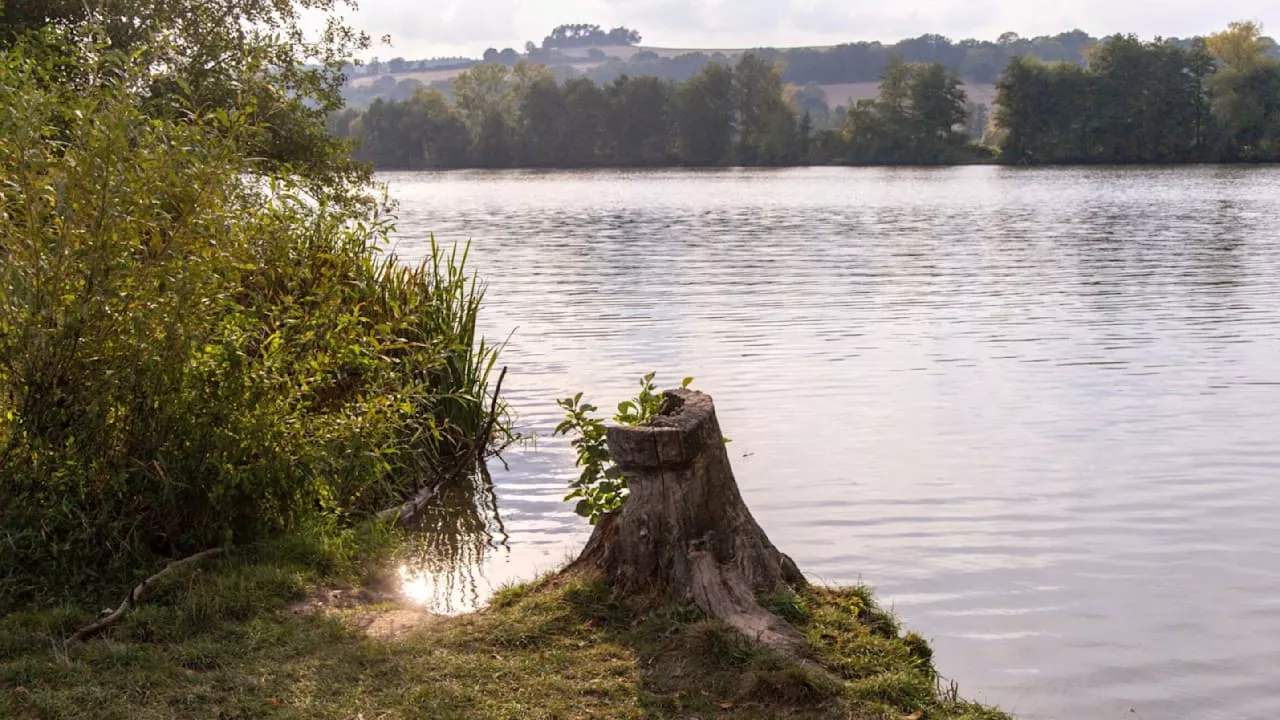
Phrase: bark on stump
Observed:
(685, 531)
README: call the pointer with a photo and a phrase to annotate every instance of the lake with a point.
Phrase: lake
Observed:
(1036, 409)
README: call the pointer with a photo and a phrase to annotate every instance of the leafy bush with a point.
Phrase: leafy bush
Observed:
(193, 349)
(600, 488)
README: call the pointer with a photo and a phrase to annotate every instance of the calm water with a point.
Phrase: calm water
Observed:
(1037, 410)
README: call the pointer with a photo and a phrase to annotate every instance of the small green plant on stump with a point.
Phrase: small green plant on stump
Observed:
(601, 489)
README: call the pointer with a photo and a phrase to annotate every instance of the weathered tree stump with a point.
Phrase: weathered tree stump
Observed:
(684, 531)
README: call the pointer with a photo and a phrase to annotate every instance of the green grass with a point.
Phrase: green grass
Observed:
(221, 642)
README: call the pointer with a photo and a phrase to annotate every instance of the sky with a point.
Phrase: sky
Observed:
(454, 27)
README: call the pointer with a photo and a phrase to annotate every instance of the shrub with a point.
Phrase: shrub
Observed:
(600, 488)
(194, 350)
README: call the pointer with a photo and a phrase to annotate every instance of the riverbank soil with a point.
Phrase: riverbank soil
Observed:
(238, 639)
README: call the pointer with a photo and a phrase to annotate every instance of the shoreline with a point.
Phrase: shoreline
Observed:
(655, 168)
(250, 638)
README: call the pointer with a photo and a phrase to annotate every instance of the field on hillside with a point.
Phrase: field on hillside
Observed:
(848, 93)
(577, 58)
(837, 93)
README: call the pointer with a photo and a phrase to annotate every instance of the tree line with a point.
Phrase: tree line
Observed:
(587, 35)
(1215, 100)
(742, 114)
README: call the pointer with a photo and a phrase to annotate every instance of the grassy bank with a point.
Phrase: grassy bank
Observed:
(228, 640)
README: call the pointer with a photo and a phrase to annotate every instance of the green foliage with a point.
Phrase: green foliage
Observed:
(705, 112)
(251, 56)
(422, 132)
(639, 122)
(917, 118)
(767, 126)
(586, 35)
(1145, 102)
(522, 117)
(196, 347)
(600, 488)
(740, 114)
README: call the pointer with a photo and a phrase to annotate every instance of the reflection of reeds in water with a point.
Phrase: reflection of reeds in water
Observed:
(441, 562)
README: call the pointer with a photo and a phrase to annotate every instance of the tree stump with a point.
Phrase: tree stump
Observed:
(684, 531)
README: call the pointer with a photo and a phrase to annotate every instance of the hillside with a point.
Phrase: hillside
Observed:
(845, 72)
(576, 58)
(606, 63)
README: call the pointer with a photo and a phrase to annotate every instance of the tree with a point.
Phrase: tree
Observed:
(421, 132)
(20, 17)
(397, 65)
(639, 121)
(705, 116)
(491, 147)
(484, 92)
(1136, 102)
(1042, 112)
(445, 142)
(248, 54)
(915, 119)
(583, 125)
(811, 99)
(761, 112)
(805, 136)
(938, 106)
(542, 112)
(1245, 93)
(623, 36)
(1240, 47)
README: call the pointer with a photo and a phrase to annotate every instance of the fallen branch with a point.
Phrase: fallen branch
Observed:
(406, 512)
(486, 435)
(135, 595)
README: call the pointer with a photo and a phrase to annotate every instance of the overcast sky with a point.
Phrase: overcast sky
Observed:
(453, 27)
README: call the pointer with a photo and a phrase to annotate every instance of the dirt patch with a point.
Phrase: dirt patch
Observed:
(391, 623)
(426, 77)
(378, 610)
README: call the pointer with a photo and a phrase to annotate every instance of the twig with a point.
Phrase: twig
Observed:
(135, 595)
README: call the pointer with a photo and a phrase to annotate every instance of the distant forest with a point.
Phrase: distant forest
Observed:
(569, 47)
(1116, 100)
(739, 115)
